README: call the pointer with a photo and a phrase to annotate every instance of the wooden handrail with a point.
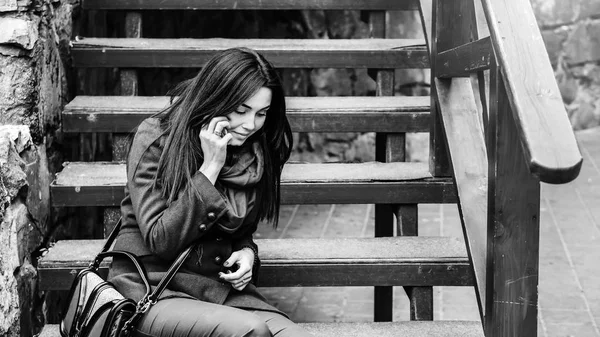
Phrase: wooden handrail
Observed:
(548, 141)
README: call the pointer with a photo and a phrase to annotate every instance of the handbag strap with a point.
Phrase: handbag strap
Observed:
(170, 274)
(148, 301)
(139, 266)
(112, 236)
(104, 253)
(134, 259)
(149, 298)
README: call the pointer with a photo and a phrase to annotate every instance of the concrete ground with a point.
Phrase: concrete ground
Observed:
(569, 286)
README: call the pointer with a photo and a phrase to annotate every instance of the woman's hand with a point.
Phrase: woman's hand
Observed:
(240, 278)
(214, 147)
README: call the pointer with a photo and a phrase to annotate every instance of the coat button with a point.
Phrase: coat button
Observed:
(218, 260)
(211, 216)
(218, 239)
(202, 227)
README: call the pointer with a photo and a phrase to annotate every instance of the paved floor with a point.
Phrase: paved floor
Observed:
(569, 289)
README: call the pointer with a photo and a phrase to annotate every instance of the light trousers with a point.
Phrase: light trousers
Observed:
(183, 317)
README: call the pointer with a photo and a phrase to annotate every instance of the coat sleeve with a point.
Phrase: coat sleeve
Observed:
(168, 230)
(245, 240)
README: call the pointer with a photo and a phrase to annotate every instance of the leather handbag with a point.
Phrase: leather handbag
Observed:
(96, 309)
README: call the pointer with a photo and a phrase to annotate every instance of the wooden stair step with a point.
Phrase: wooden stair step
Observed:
(102, 184)
(416, 261)
(306, 114)
(283, 53)
(397, 329)
(251, 4)
(379, 329)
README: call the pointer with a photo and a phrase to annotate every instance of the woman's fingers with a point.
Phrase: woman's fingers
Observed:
(240, 274)
(240, 285)
(237, 282)
(220, 126)
(213, 123)
(227, 138)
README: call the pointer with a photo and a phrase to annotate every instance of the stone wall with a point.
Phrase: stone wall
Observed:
(34, 37)
(19, 235)
(571, 30)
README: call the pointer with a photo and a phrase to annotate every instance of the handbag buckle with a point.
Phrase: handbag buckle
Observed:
(144, 305)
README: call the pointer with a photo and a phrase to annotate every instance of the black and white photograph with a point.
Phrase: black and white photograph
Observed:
(300, 168)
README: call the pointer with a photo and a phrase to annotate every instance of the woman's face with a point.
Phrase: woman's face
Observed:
(249, 117)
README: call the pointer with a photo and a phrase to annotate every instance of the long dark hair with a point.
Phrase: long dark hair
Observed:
(227, 80)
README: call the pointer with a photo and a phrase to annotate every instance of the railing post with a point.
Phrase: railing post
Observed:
(128, 87)
(439, 162)
(513, 224)
(392, 148)
(384, 79)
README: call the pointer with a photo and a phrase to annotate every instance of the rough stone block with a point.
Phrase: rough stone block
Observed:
(589, 8)
(13, 177)
(8, 5)
(24, 4)
(39, 178)
(583, 45)
(554, 40)
(584, 112)
(9, 255)
(404, 25)
(551, 13)
(362, 149)
(17, 134)
(417, 147)
(17, 90)
(568, 86)
(17, 31)
(12, 51)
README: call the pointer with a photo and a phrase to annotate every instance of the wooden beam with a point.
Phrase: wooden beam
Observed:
(367, 329)
(312, 262)
(282, 53)
(251, 4)
(513, 226)
(306, 114)
(468, 155)
(102, 184)
(128, 79)
(438, 158)
(426, 12)
(464, 60)
(128, 85)
(421, 298)
(482, 77)
(542, 122)
(383, 297)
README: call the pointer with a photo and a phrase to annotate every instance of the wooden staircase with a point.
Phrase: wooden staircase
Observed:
(466, 138)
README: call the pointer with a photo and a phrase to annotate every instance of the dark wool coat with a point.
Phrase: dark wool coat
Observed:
(157, 233)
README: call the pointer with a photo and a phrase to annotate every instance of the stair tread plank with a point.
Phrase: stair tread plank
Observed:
(283, 53)
(110, 173)
(213, 44)
(416, 249)
(397, 329)
(102, 184)
(252, 4)
(380, 329)
(312, 262)
(306, 114)
(349, 104)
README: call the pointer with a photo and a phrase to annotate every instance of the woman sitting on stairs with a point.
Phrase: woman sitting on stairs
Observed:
(204, 172)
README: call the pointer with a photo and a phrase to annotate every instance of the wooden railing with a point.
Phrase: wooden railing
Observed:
(499, 112)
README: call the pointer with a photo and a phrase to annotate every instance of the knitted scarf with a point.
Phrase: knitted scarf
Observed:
(236, 183)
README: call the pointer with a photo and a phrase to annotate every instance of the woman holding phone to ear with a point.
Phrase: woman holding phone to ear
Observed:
(203, 173)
